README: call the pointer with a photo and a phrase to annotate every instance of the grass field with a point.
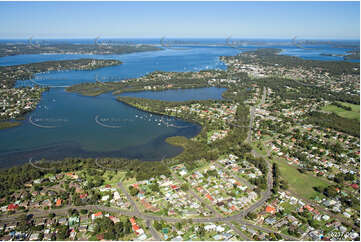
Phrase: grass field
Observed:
(113, 177)
(300, 183)
(354, 114)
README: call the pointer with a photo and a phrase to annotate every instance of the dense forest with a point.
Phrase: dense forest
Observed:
(350, 126)
(289, 89)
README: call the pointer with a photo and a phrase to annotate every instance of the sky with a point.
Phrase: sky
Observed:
(320, 20)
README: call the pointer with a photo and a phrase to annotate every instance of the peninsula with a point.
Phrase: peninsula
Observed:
(277, 158)
(65, 48)
(15, 102)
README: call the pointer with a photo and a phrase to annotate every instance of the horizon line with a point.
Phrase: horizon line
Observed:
(246, 38)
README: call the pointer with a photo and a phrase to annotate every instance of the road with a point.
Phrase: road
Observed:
(130, 199)
(239, 179)
(253, 109)
(218, 215)
(238, 218)
(154, 233)
(251, 119)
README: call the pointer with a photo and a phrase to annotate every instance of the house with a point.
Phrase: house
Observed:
(270, 220)
(270, 209)
(62, 221)
(174, 187)
(46, 203)
(58, 202)
(309, 208)
(178, 238)
(315, 235)
(28, 185)
(210, 227)
(209, 197)
(97, 215)
(142, 237)
(84, 195)
(73, 220)
(72, 235)
(137, 230)
(218, 237)
(342, 229)
(100, 236)
(183, 173)
(325, 217)
(116, 195)
(114, 219)
(291, 218)
(12, 207)
(34, 236)
(83, 228)
(72, 175)
(354, 186)
(219, 229)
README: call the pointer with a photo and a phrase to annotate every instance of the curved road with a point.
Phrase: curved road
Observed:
(238, 218)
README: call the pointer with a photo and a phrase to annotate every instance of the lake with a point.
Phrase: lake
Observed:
(70, 125)
(67, 124)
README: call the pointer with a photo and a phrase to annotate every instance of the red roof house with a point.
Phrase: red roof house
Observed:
(12, 206)
(209, 197)
(354, 186)
(58, 202)
(270, 209)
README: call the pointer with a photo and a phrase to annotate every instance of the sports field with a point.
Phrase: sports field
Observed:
(354, 114)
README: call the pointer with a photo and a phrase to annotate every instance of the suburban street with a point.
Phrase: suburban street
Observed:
(238, 218)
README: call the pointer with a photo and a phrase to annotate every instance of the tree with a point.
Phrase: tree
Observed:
(179, 226)
(185, 187)
(201, 231)
(133, 191)
(63, 232)
(83, 211)
(158, 225)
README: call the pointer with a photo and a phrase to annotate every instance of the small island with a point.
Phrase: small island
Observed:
(353, 55)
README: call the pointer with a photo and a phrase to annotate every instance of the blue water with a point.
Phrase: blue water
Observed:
(70, 125)
(26, 59)
(315, 53)
(90, 127)
(139, 64)
(312, 52)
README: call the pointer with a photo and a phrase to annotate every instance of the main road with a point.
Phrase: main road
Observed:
(238, 218)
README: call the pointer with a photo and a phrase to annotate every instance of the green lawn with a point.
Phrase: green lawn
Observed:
(300, 183)
(113, 177)
(354, 114)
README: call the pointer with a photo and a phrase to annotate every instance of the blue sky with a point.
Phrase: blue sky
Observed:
(180, 19)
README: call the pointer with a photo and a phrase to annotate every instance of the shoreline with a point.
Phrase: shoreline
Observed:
(195, 122)
(166, 115)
